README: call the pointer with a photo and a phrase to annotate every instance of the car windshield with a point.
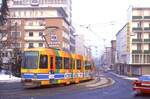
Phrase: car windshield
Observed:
(144, 78)
(30, 60)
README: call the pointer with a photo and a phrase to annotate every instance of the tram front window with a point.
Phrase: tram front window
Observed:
(30, 60)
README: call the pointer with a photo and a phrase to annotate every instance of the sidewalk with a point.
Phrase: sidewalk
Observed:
(124, 77)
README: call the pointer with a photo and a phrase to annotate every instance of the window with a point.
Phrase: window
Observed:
(15, 34)
(31, 45)
(148, 46)
(139, 24)
(30, 33)
(66, 63)
(43, 62)
(78, 64)
(72, 64)
(30, 60)
(139, 35)
(136, 58)
(51, 64)
(17, 45)
(58, 62)
(40, 44)
(40, 33)
(138, 46)
(148, 58)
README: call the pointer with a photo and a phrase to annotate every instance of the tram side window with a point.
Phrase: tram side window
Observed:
(72, 65)
(58, 62)
(43, 62)
(66, 63)
(78, 64)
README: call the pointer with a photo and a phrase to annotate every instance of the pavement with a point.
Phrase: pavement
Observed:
(124, 77)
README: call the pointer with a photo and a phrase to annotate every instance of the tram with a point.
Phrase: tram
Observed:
(45, 66)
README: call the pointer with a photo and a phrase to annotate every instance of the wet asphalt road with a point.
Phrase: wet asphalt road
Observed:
(122, 89)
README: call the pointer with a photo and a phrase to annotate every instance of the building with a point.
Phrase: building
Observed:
(133, 42)
(113, 53)
(81, 48)
(30, 20)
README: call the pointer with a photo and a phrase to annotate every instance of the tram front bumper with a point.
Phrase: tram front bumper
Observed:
(30, 83)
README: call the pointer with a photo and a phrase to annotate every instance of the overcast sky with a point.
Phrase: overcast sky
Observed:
(106, 17)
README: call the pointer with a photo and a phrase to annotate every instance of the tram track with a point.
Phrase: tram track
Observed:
(52, 90)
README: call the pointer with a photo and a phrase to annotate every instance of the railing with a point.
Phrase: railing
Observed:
(136, 40)
(146, 17)
(136, 17)
(137, 28)
(146, 51)
(146, 40)
(147, 28)
(136, 51)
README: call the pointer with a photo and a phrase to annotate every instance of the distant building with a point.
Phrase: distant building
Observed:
(80, 47)
(133, 43)
(113, 53)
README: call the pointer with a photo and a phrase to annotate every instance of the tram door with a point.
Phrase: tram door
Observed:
(52, 64)
(52, 69)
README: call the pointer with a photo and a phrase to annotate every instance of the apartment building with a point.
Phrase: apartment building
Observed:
(133, 43)
(30, 20)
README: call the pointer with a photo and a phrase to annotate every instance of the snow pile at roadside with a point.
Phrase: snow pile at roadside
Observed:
(125, 77)
(8, 78)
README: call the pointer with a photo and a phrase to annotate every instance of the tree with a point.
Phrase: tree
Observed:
(3, 12)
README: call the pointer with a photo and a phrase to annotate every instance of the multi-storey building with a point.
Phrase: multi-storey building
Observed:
(133, 42)
(30, 20)
(113, 53)
(81, 48)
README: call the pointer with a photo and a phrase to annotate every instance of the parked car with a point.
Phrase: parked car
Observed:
(142, 85)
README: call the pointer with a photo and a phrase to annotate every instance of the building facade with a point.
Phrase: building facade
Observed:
(34, 21)
(133, 43)
(113, 53)
(81, 48)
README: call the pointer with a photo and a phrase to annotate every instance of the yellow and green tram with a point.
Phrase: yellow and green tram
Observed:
(45, 66)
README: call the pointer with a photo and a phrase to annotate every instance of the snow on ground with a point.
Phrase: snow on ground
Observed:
(8, 78)
(125, 77)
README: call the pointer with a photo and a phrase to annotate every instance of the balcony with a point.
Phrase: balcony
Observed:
(146, 40)
(146, 17)
(136, 17)
(137, 28)
(146, 51)
(136, 51)
(34, 27)
(147, 28)
(35, 39)
(136, 40)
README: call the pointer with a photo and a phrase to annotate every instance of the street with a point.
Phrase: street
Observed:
(122, 89)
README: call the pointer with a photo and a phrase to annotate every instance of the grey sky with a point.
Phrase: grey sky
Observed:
(105, 16)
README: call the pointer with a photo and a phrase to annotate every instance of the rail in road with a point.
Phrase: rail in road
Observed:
(16, 90)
